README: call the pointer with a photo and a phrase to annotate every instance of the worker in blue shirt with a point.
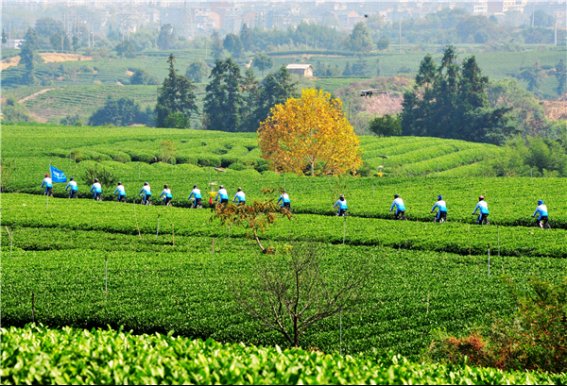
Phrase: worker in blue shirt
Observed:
(398, 203)
(96, 190)
(482, 208)
(222, 195)
(146, 194)
(166, 195)
(285, 201)
(196, 196)
(239, 197)
(441, 207)
(47, 183)
(341, 205)
(542, 215)
(72, 187)
(121, 192)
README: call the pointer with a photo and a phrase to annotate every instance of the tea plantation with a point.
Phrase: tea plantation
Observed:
(88, 357)
(157, 269)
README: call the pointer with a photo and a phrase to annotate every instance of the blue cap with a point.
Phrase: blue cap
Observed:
(539, 202)
(439, 197)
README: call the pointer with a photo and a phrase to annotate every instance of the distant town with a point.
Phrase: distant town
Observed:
(197, 18)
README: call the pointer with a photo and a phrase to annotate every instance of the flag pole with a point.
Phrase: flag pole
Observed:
(47, 196)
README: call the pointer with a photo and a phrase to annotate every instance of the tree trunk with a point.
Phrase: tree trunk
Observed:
(295, 332)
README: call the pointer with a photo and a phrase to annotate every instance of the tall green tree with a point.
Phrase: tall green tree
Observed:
(176, 99)
(527, 114)
(561, 76)
(233, 45)
(451, 101)
(247, 38)
(251, 94)
(223, 98)
(217, 49)
(276, 88)
(360, 39)
(28, 57)
(532, 76)
(197, 71)
(166, 38)
(262, 62)
(50, 33)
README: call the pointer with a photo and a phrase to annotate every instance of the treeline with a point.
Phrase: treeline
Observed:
(233, 101)
(451, 100)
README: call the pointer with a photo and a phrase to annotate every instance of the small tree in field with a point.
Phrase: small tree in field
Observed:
(293, 295)
(310, 134)
(256, 217)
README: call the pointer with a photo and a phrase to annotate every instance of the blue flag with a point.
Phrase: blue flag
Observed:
(57, 175)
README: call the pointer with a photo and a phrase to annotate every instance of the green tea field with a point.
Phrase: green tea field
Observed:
(148, 359)
(79, 267)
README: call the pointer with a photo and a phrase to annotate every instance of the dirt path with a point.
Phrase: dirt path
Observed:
(35, 94)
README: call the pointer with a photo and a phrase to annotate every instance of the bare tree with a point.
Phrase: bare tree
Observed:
(292, 297)
(255, 218)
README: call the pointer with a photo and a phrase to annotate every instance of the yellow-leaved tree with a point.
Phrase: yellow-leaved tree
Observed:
(310, 135)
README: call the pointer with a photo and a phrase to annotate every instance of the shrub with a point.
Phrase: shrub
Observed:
(120, 156)
(104, 176)
(210, 161)
(386, 126)
(238, 166)
(167, 152)
(141, 156)
(533, 339)
(71, 120)
(142, 77)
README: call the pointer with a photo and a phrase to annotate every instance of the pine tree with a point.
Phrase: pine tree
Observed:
(176, 100)
(451, 101)
(250, 94)
(216, 46)
(561, 76)
(28, 57)
(247, 38)
(275, 88)
(223, 99)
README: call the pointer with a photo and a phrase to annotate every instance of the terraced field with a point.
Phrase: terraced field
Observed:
(410, 156)
(149, 269)
(162, 275)
(84, 100)
(133, 154)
